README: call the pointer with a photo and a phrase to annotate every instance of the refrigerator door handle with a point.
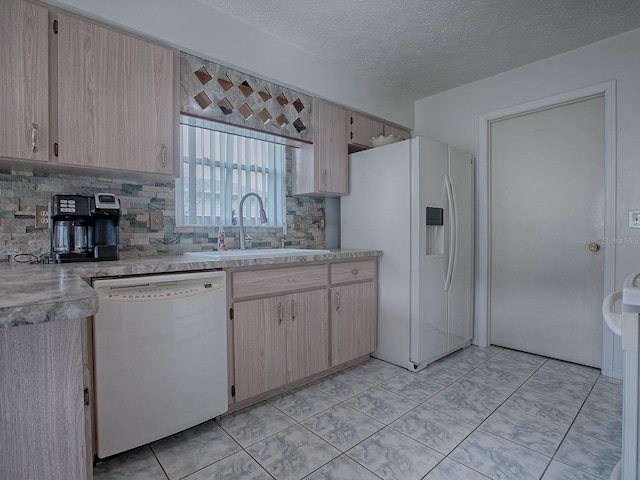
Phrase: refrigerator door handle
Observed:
(452, 234)
(447, 233)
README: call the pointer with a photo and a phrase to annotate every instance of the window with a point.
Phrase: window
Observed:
(221, 163)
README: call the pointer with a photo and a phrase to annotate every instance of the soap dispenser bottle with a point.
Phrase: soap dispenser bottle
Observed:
(222, 246)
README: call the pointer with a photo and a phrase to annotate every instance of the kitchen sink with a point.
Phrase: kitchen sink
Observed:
(265, 252)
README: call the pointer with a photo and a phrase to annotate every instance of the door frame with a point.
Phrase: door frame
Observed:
(482, 326)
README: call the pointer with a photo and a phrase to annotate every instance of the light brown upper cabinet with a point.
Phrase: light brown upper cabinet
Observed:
(24, 77)
(398, 132)
(322, 169)
(363, 128)
(115, 99)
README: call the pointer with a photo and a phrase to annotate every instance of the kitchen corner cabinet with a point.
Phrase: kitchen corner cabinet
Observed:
(398, 132)
(42, 402)
(353, 310)
(86, 332)
(322, 169)
(115, 99)
(24, 77)
(363, 128)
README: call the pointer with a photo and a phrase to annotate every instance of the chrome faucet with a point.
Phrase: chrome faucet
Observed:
(263, 217)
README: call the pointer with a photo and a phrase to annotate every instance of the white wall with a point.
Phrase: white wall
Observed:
(198, 29)
(453, 116)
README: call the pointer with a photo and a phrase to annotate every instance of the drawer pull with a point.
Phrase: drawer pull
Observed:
(354, 271)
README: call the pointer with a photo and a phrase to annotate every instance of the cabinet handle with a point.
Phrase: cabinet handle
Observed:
(279, 312)
(294, 312)
(354, 271)
(86, 396)
(34, 137)
(337, 301)
(324, 178)
(163, 155)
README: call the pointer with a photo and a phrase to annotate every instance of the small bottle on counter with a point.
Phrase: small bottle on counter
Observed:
(222, 246)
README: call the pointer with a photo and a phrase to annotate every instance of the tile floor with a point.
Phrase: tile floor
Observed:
(478, 413)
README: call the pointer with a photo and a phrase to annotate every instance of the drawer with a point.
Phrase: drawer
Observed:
(353, 271)
(278, 280)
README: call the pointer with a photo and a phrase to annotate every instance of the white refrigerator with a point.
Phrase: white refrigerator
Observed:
(414, 201)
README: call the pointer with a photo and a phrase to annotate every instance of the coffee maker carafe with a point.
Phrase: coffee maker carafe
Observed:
(84, 228)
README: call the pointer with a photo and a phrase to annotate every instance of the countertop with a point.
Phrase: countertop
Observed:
(31, 294)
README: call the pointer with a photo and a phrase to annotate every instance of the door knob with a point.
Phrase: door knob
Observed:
(594, 247)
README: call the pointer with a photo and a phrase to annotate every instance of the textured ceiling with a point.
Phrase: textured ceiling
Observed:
(420, 47)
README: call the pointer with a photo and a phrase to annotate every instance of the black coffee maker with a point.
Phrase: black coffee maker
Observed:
(84, 228)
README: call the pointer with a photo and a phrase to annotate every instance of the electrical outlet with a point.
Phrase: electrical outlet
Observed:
(322, 223)
(297, 222)
(42, 216)
(156, 222)
(634, 219)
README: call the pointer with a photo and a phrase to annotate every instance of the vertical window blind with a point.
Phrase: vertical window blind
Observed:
(220, 164)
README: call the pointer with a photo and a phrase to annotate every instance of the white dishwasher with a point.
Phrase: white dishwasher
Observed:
(160, 357)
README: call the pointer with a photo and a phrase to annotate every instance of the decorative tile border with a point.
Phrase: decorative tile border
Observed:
(213, 91)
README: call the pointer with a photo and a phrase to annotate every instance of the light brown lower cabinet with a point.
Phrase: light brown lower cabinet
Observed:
(278, 340)
(42, 427)
(353, 321)
(86, 332)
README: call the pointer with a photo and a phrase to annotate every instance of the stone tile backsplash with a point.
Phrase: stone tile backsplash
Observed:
(20, 192)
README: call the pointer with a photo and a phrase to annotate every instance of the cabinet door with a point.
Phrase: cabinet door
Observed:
(307, 334)
(353, 321)
(115, 99)
(24, 80)
(43, 429)
(86, 331)
(260, 342)
(363, 128)
(330, 148)
(398, 132)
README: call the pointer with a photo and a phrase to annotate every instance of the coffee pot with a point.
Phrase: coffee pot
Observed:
(84, 228)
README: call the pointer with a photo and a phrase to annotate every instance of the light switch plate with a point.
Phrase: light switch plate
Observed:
(42, 216)
(156, 221)
(634, 219)
(297, 222)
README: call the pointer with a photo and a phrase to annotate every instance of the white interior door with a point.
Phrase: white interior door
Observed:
(547, 208)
